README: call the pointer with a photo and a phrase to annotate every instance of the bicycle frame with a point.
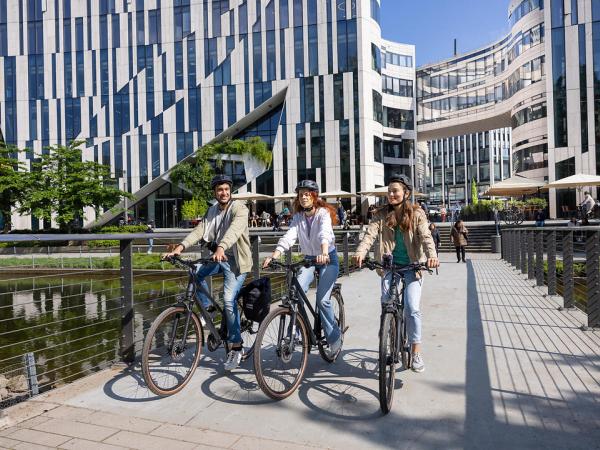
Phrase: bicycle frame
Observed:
(396, 306)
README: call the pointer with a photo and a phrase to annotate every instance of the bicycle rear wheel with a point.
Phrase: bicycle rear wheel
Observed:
(387, 362)
(249, 331)
(279, 362)
(169, 356)
(337, 303)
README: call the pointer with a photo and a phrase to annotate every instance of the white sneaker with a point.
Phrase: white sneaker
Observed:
(418, 365)
(234, 357)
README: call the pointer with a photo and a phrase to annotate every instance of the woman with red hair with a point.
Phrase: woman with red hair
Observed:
(312, 227)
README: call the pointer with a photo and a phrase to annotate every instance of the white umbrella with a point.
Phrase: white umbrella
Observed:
(577, 181)
(337, 194)
(382, 192)
(286, 196)
(251, 196)
(515, 185)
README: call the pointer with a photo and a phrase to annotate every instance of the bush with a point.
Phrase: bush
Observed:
(536, 203)
(114, 229)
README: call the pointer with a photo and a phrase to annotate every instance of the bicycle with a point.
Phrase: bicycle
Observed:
(512, 216)
(285, 337)
(173, 344)
(393, 339)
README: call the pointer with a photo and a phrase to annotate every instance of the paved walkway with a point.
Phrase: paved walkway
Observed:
(505, 369)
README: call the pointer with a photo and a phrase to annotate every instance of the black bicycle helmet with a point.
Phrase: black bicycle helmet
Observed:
(307, 184)
(401, 178)
(221, 179)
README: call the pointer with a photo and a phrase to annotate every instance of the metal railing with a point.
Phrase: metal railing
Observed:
(69, 310)
(565, 259)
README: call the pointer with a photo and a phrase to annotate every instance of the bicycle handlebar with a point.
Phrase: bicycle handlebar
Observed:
(371, 264)
(292, 266)
(189, 264)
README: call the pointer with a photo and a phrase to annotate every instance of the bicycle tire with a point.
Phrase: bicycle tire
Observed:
(404, 350)
(248, 330)
(340, 317)
(156, 335)
(387, 362)
(265, 351)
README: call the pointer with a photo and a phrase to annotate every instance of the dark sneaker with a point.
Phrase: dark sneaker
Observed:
(418, 365)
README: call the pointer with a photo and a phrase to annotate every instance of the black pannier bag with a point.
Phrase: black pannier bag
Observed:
(256, 299)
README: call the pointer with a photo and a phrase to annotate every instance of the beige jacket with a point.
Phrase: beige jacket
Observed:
(459, 236)
(418, 241)
(236, 237)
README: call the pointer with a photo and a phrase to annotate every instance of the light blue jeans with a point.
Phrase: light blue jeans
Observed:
(231, 288)
(327, 277)
(412, 302)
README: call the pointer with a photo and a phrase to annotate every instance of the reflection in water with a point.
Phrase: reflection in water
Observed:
(72, 323)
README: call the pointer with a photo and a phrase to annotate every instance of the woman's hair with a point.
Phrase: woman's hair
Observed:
(431, 226)
(458, 223)
(318, 203)
(403, 216)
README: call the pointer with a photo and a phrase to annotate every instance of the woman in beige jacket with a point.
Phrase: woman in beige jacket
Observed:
(459, 236)
(403, 232)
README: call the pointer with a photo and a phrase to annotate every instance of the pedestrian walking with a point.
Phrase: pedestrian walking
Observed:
(459, 235)
(435, 234)
(149, 230)
(443, 213)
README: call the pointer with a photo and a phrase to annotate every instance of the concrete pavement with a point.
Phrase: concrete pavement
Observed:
(505, 369)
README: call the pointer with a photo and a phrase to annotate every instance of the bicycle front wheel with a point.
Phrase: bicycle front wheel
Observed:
(387, 362)
(170, 355)
(337, 303)
(280, 356)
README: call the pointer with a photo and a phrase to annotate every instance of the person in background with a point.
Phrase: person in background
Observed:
(265, 218)
(285, 212)
(459, 235)
(150, 229)
(573, 222)
(443, 212)
(588, 203)
(341, 212)
(425, 209)
(254, 219)
(435, 234)
(540, 218)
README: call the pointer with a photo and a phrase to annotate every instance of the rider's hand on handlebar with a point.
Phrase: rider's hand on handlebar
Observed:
(177, 250)
(433, 263)
(276, 254)
(219, 255)
(358, 260)
(323, 259)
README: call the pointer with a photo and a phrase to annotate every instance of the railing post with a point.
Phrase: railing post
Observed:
(551, 263)
(517, 250)
(256, 257)
(530, 255)
(32, 381)
(523, 251)
(592, 271)
(503, 247)
(288, 256)
(513, 248)
(568, 281)
(539, 258)
(127, 325)
(346, 255)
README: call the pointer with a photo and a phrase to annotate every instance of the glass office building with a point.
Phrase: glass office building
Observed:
(145, 82)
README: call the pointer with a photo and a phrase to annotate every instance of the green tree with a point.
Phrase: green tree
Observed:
(474, 196)
(12, 181)
(60, 185)
(195, 175)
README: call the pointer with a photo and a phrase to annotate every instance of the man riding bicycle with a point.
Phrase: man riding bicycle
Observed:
(402, 231)
(587, 204)
(225, 231)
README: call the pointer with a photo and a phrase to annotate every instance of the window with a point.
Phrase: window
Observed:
(299, 52)
(313, 51)
(375, 58)
(154, 26)
(181, 20)
(397, 86)
(298, 20)
(271, 58)
(398, 118)
(377, 107)
(559, 87)
(377, 149)
(284, 14)
(338, 96)
(375, 10)
(257, 56)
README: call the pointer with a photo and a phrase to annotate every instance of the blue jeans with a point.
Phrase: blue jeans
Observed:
(412, 302)
(231, 288)
(327, 277)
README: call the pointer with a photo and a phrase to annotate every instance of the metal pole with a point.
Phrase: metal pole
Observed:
(256, 257)
(530, 256)
(523, 248)
(552, 263)
(568, 281)
(516, 250)
(539, 258)
(32, 381)
(127, 325)
(346, 255)
(592, 270)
